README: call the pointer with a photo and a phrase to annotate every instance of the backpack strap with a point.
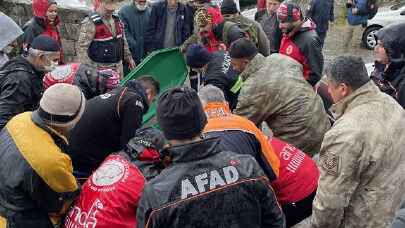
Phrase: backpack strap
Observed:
(96, 18)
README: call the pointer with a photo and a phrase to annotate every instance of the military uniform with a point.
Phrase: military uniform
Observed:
(87, 36)
(362, 163)
(275, 91)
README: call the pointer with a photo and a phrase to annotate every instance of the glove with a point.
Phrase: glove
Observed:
(108, 79)
(145, 138)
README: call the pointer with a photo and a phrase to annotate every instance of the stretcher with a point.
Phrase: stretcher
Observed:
(166, 66)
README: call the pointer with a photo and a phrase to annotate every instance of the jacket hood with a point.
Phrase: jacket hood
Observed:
(9, 30)
(39, 7)
(393, 40)
(307, 25)
(254, 65)
(194, 151)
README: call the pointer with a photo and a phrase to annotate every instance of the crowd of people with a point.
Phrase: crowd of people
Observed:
(256, 140)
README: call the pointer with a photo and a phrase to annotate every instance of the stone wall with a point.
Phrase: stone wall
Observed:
(21, 12)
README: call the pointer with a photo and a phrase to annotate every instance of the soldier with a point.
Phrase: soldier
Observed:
(362, 163)
(102, 41)
(275, 91)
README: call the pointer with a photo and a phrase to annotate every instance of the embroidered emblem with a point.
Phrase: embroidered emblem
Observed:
(331, 164)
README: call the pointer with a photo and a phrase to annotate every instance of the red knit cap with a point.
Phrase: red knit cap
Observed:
(62, 74)
(289, 12)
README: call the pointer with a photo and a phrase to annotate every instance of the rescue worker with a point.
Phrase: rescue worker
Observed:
(45, 22)
(9, 32)
(253, 30)
(170, 24)
(109, 122)
(389, 55)
(362, 162)
(21, 78)
(135, 17)
(203, 185)
(275, 91)
(297, 178)
(102, 41)
(36, 180)
(216, 70)
(237, 134)
(91, 81)
(213, 36)
(268, 20)
(300, 41)
(118, 181)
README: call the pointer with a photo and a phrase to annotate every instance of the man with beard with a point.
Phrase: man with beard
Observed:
(135, 17)
(102, 41)
(21, 78)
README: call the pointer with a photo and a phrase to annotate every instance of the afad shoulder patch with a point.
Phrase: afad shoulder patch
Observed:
(331, 164)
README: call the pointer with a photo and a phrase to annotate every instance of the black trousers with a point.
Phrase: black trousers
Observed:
(298, 211)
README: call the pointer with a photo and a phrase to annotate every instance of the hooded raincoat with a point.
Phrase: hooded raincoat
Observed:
(9, 31)
(40, 25)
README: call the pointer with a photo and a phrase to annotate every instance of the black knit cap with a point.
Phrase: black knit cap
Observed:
(45, 43)
(197, 56)
(243, 48)
(180, 113)
(229, 7)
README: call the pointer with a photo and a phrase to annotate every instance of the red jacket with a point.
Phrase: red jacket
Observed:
(261, 5)
(298, 176)
(110, 196)
(303, 45)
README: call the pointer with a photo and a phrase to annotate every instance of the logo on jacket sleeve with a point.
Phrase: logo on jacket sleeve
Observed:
(208, 181)
(289, 49)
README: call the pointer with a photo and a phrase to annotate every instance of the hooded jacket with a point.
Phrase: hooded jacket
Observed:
(393, 40)
(207, 187)
(119, 180)
(40, 25)
(303, 45)
(361, 163)
(241, 136)
(275, 91)
(34, 184)
(20, 88)
(108, 123)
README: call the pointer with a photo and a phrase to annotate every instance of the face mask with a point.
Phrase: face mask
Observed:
(141, 7)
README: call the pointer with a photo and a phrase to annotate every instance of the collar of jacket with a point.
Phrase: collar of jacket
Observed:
(254, 65)
(194, 151)
(217, 109)
(360, 96)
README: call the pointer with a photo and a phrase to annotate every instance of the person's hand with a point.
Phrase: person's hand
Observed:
(355, 10)
(131, 64)
(108, 79)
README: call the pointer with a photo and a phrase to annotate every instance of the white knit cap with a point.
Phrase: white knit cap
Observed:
(62, 105)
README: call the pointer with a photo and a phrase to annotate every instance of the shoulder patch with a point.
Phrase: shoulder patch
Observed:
(331, 164)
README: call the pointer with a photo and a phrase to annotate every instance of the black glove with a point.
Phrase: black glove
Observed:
(145, 138)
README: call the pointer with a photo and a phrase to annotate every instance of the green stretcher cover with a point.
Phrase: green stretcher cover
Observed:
(168, 67)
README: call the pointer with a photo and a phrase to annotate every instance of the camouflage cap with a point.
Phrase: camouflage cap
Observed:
(202, 18)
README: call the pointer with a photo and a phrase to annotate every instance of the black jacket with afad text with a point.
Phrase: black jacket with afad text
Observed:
(207, 187)
(20, 88)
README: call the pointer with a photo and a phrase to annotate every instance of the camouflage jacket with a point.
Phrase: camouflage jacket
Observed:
(362, 163)
(274, 90)
(86, 36)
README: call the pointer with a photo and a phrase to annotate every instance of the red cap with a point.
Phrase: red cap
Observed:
(62, 74)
